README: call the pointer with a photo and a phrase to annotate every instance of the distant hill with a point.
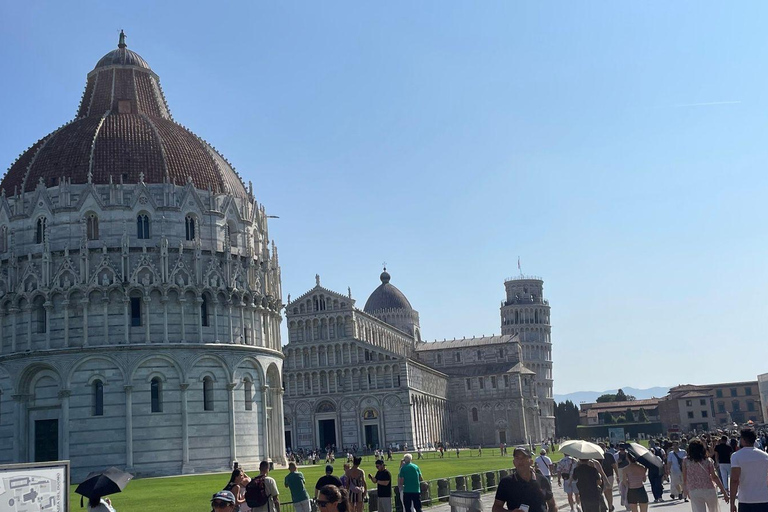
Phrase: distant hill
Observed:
(590, 396)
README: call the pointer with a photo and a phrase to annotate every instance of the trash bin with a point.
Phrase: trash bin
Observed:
(465, 501)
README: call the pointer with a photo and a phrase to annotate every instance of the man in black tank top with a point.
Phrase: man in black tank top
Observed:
(723, 453)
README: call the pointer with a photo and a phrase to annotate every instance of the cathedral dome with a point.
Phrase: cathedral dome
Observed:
(386, 296)
(123, 132)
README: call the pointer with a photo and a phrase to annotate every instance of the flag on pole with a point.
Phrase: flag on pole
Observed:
(518, 263)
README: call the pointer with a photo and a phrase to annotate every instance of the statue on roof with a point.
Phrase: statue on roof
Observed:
(121, 42)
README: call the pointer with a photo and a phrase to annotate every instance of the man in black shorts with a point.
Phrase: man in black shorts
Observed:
(524, 487)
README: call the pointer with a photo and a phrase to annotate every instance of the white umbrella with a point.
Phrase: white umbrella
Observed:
(582, 450)
(641, 452)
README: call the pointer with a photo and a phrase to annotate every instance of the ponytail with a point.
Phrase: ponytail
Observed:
(337, 495)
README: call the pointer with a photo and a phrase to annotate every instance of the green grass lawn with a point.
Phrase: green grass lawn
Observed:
(192, 493)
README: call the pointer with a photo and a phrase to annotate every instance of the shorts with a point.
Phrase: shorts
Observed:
(569, 486)
(637, 495)
(753, 507)
(302, 506)
(385, 504)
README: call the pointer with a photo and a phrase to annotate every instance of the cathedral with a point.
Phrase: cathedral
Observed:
(140, 293)
(365, 377)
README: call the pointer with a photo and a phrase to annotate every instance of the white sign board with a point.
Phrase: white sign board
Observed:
(35, 487)
(616, 435)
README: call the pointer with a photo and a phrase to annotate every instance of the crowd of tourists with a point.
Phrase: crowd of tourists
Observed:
(699, 469)
(346, 493)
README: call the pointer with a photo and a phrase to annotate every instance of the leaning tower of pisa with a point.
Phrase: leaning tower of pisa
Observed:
(525, 312)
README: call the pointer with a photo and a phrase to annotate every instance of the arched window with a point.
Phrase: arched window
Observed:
(42, 319)
(40, 231)
(3, 238)
(97, 391)
(231, 233)
(207, 394)
(156, 394)
(248, 389)
(204, 312)
(142, 226)
(191, 225)
(92, 226)
(474, 414)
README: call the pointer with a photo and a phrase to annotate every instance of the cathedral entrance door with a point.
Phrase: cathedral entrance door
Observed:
(288, 439)
(503, 436)
(46, 440)
(327, 432)
(372, 436)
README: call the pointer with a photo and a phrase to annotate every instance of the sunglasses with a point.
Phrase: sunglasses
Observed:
(221, 504)
(322, 504)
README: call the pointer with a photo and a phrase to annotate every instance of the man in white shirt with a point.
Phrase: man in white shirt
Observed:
(749, 475)
(675, 470)
(544, 464)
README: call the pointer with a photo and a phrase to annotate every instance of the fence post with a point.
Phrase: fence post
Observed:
(490, 479)
(461, 483)
(442, 489)
(477, 483)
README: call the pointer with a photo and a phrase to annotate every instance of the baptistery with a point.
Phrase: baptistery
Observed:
(140, 293)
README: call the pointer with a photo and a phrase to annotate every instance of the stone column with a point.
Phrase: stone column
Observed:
(232, 440)
(126, 319)
(28, 314)
(13, 311)
(216, 320)
(20, 437)
(147, 317)
(182, 302)
(128, 427)
(48, 310)
(164, 301)
(105, 301)
(241, 307)
(184, 429)
(265, 429)
(64, 395)
(84, 302)
(65, 303)
(199, 301)
(229, 322)
(2, 333)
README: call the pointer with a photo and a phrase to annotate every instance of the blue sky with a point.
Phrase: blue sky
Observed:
(618, 148)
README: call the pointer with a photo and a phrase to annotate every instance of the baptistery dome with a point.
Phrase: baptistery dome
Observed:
(140, 294)
(123, 129)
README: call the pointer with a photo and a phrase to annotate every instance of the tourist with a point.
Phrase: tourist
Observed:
(609, 469)
(723, 452)
(409, 480)
(294, 481)
(356, 485)
(565, 478)
(270, 489)
(749, 474)
(383, 481)
(222, 501)
(524, 487)
(633, 477)
(418, 451)
(700, 478)
(622, 462)
(327, 479)
(99, 504)
(333, 499)
(589, 477)
(674, 471)
(544, 465)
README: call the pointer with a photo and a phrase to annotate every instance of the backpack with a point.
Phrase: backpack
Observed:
(256, 492)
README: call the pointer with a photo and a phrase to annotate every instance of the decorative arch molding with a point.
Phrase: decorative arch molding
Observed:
(32, 373)
(87, 359)
(140, 363)
(325, 406)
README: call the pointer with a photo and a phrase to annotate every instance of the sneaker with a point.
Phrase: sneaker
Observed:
(686, 500)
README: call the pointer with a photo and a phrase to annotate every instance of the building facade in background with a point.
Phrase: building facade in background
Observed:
(711, 406)
(139, 293)
(365, 378)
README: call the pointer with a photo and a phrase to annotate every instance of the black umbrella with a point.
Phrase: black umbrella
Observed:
(104, 483)
(643, 455)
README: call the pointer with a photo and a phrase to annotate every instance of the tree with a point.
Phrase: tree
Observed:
(606, 398)
(643, 416)
(566, 419)
(608, 418)
(620, 396)
(630, 416)
(621, 419)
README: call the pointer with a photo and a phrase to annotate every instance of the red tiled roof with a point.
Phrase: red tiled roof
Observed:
(123, 128)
